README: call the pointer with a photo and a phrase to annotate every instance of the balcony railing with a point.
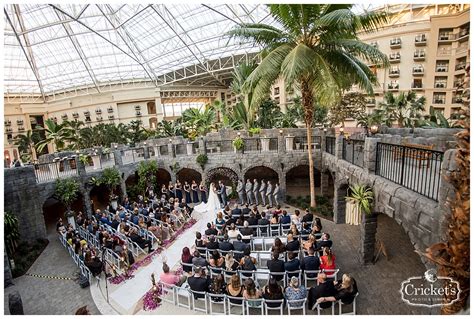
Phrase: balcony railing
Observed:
(353, 151)
(446, 37)
(370, 102)
(393, 87)
(394, 57)
(133, 155)
(394, 73)
(459, 66)
(417, 86)
(396, 43)
(47, 172)
(457, 100)
(331, 145)
(419, 56)
(300, 143)
(418, 71)
(418, 169)
(441, 68)
(444, 52)
(439, 101)
(463, 34)
(420, 40)
(440, 85)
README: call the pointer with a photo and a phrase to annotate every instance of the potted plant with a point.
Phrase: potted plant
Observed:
(111, 179)
(238, 144)
(202, 159)
(362, 197)
(254, 131)
(66, 190)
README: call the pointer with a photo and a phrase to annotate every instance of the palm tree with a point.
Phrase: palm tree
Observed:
(316, 48)
(26, 143)
(73, 131)
(244, 94)
(199, 122)
(56, 134)
(404, 109)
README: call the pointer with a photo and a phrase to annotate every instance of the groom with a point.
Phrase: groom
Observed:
(222, 194)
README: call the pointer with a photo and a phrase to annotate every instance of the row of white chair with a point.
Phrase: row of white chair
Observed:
(77, 260)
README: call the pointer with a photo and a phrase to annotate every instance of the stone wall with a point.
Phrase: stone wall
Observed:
(442, 138)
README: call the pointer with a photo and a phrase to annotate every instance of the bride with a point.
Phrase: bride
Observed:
(211, 207)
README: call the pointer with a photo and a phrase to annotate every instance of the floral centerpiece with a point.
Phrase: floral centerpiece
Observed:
(152, 298)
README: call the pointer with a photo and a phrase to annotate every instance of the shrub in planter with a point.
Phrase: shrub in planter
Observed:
(238, 143)
(254, 130)
(202, 159)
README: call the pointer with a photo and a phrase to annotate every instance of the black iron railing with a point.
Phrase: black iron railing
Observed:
(331, 145)
(416, 168)
(353, 151)
(46, 172)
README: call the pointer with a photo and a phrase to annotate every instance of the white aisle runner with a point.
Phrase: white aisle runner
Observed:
(134, 289)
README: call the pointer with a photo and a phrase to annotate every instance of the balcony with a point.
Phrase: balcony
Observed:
(394, 73)
(138, 113)
(394, 58)
(457, 100)
(444, 52)
(463, 35)
(137, 107)
(393, 86)
(87, 113)
(417, 86)
(374, 44)
(64, 117)
(8, 130)
(75, 115)
(396, 43)
(439, 100)
(99, 118)
(441, 68)
(21, 129)
(8, 123)
(370, 102)
(420, 40)
(19, 122)
(458, 83)
(440, 85)
(419, 56)
(55, 119)
(460, 66)
(111, 117)
(88, 119)
(446, 37)
(98, 111)
(110, 110)
(418, 71)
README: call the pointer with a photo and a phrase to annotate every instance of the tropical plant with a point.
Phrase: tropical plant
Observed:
(244, 94)
(146, 175)
(349, 106)
(405, 109)
(437, 119)
(12, 234)
(136, 132)
(366, 120)
(111, 179)
(84, 159)
(199, 122)
(315, 47)
(254, 131)
(170, 128)
(238, 143)
(268, 114)
(363, 196)
(56, 134)
(67, 190)
(202, 159)
(26, 144)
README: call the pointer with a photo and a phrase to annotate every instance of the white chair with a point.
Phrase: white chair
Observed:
(353, 312)
(237, 303)
(198, 298)
(332, 276)
(168, 293)
(215, 300)
(298, 304)
(182, 293)
(274, 305)
(318, 308)
(254, 304)
(311, 278)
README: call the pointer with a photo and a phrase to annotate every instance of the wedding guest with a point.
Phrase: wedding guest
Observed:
(194, 190)
(171, 191)
(203, 191)
(179, 190)
(346, 290)
(170, 278)
(217, 287)
(328, 261)
(251, 292)
(272, 291)
(234, 289)
(295, 291)
(186, 258)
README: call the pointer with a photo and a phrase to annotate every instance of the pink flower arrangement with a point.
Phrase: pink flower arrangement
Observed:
(152, 299)
(145, 261)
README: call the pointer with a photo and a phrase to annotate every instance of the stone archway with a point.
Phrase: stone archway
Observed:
(297, 181)
(224, 174)
(162, 177)
(262, 172)
(188, 175)
(327, 185)
(53, 209)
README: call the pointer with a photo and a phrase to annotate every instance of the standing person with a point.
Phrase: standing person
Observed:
(222, 191)
(270, 193)
(262, 191)
(164, 191)
(171, 190)
(179, 190)
(248, 190)
(276, 193)
(187, 192)
(255, 191)
(203, 191)
(194, 190)
(240, 191)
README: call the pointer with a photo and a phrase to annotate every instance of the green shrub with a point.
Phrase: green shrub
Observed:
(202, 159)
(238, 143)
(26, 254)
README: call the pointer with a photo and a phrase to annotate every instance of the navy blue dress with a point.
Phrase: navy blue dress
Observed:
(172, 192)
(203, 194)
(179, 192)
(194, 190)
(187, 191)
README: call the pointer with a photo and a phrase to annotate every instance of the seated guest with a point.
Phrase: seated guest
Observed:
(247, 263)
(134, 218)
(220, 222)
(272, 291)
(198, 260)
(212, 244)
(210, 230)
(199, 282)
(225, 245)
(216, 260)
(317, 223)
(234, 289)
(252, 220)
(327, 261)
(251, 292)
(307, 217)
(293, 263)
(295, 291)
(93, 263)
(275, 223)
(230, 263)
(236, 212)
(310, 243)
(166, 231)
(292, 244)
(263, 222)
(199, 243)
(324, 242)
(127, 256)
(310, 263)
(104, 219)
(142, 242)
(233, 232)
(217, 287)
(155, 230)
(276, 265)
(116, 222)
(171, 278)
(278, 246)
(141, 222)
(305, 228)
(293, 230)
(295, 218)
(239, 247)
(278, 210)
(187, 258)
(60, 227)
(346, 290)
(324, 288)
(255, 211)
(240, 221)
(285, 220)
(246, 209)
(247, 232)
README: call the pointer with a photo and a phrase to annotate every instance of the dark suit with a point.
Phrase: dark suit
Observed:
(211, 231)
(239, 246)
(323, 243)
(310, 263)
(226, 246)
(223, 195)
(252, 220)
(292, 265)
(212, 245)
(246, 210)
(308, 218)
(200, 284)
(236, 212)
(276, 266)
(293, 245)
(285, 219)
(325, 289)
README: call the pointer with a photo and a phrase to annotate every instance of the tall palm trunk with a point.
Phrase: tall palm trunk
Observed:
(307, 102)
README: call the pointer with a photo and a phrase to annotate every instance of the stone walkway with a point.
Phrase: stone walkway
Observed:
(51, 296)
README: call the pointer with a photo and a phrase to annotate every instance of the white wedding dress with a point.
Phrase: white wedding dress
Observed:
(208, 210)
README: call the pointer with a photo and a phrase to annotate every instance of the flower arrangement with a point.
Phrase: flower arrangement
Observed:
(152, 298)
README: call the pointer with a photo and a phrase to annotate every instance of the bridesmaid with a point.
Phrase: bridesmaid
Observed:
(179, 190)
(171, 191)
(202, 189)
(194, 188)
(164, 191)
(187, 191)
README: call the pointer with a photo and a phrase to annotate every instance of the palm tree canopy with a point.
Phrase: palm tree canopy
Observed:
(315, 43)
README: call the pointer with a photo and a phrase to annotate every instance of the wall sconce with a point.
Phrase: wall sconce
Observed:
(325, 130)
(238, 134)
(281, 132)
(374, 129)
(341, 130)
(144, 143)
(116, 146)
(170, 140)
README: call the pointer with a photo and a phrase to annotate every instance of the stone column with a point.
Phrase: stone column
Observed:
(338, 148)
(340, 193)
(324, 184)
(81, 169)
(447, 192)
(118, 158)
(171, 151)
(7, 272)
(281, 144)
(370, 154)
(282, 182)
(323, 141)
(146, 153)
(368, 230)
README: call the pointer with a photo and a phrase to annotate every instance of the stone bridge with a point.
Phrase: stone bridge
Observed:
(273, 152)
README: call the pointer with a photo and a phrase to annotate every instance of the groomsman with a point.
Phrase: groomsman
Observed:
(263, 186)
(248, 190)
(222, 192)
(269, 193)
(255, 191)
(240, 191)
(276, 193)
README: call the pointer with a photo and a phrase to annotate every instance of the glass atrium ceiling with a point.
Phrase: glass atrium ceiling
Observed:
(52, 48)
